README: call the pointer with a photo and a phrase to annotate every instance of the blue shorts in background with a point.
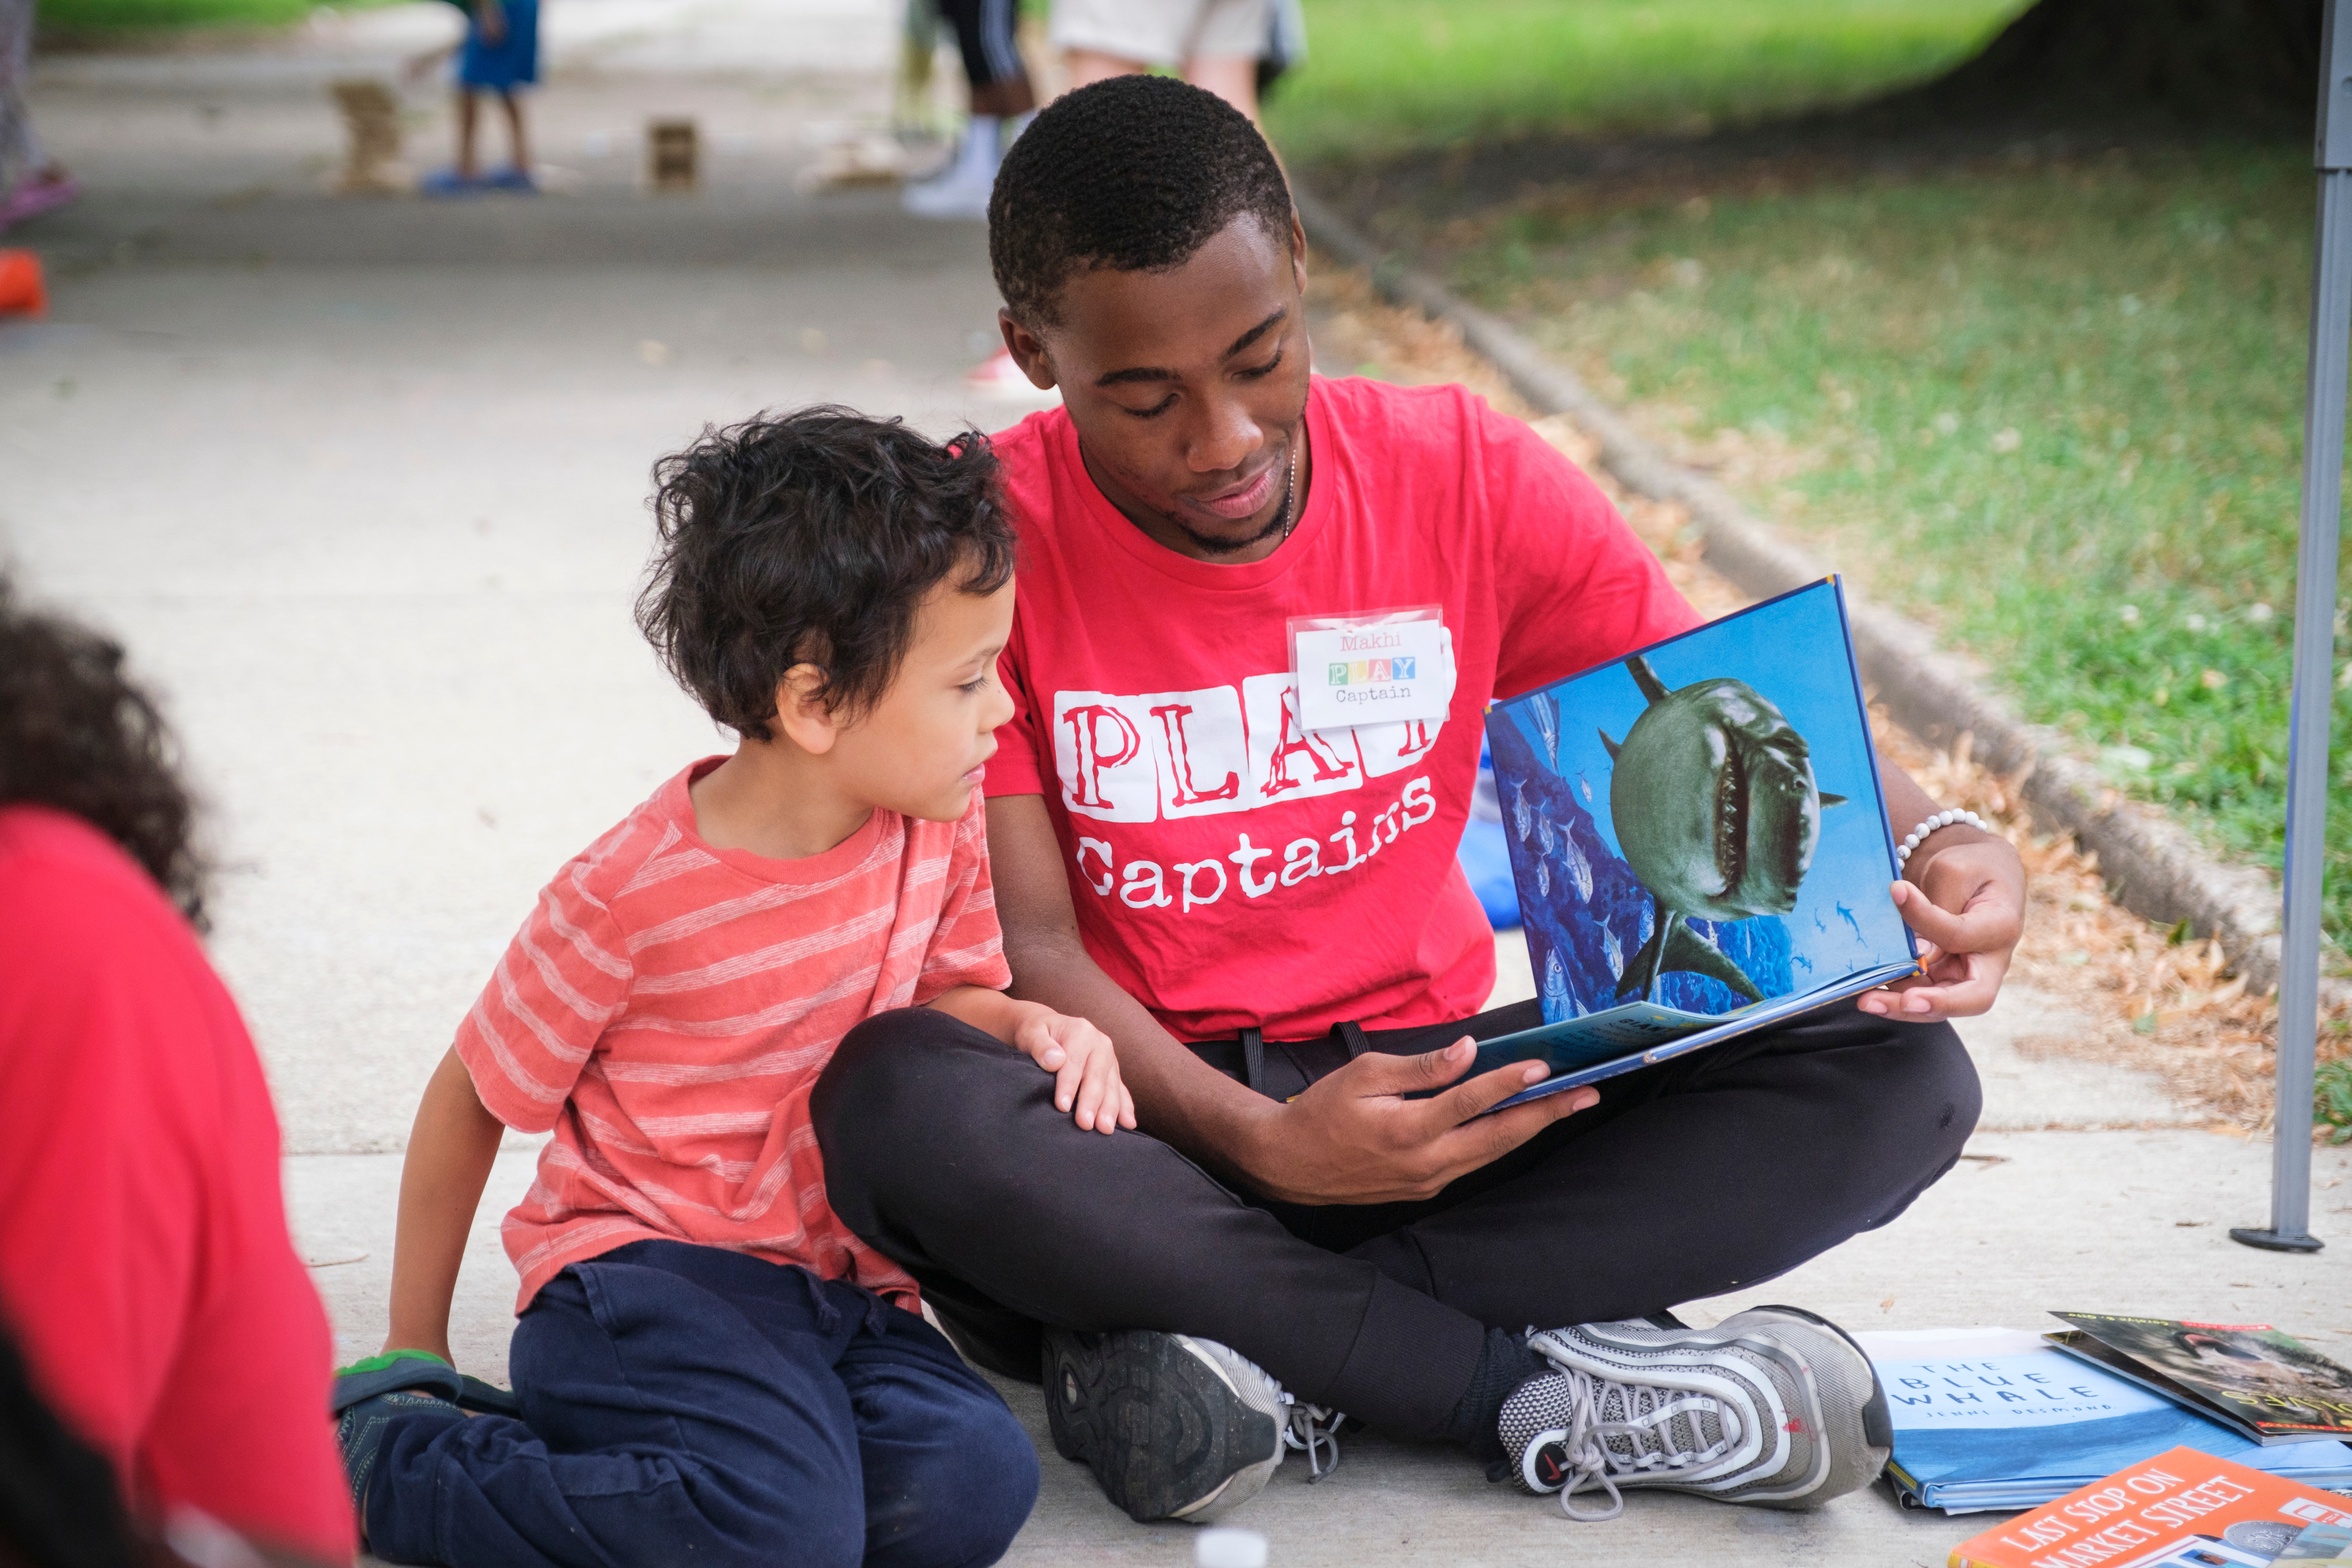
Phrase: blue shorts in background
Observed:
(512, 61)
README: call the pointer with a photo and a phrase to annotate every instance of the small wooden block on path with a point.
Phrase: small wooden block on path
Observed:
(673, 156)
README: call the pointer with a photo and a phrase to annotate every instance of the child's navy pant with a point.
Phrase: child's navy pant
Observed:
(686, 1404)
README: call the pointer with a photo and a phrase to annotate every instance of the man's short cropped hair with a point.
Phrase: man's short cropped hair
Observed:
(812, 537)
(1132, 174)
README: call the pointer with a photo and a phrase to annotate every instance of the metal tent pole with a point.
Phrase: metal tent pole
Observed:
(2314, 660)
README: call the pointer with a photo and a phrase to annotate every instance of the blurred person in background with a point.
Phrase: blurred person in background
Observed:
(1213, 44)
(60, 1507)
(1234, 48)
(145, 1270)
(31, 181)
(1002, 102)
(498, 54)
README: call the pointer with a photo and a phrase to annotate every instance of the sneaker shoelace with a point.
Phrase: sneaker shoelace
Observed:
(1643, 1417)
(1314, 1430)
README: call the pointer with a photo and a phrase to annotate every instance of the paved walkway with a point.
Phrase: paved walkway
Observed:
(361, 484)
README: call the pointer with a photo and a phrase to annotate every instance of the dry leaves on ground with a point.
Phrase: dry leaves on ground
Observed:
(2153, 1002)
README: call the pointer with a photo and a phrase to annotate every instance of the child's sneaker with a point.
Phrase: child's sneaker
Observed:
(38, 193)
(1772, 1406)
(512, 179)
(1173, 1426)
(361, 1429)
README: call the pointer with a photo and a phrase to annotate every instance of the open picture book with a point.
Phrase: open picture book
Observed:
(1699, 841)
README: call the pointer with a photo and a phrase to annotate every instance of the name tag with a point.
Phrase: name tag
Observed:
(1371, 669)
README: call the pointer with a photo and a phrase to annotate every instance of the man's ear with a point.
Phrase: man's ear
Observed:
(1297, 251)
(801, 713)
(1028, 351)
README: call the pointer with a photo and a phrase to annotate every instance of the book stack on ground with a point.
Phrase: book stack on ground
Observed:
(2002, 1418)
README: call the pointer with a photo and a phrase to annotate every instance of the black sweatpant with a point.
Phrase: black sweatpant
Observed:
(944, 1150)
(984, 30)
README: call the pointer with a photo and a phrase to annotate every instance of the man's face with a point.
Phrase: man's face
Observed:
(1187, 387)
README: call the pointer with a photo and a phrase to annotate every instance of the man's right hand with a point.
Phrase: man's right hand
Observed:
(1354, 1138)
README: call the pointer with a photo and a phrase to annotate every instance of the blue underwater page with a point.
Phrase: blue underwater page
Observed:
(1697, 838)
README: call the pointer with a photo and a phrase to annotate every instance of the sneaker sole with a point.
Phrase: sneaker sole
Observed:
(1165, 1431)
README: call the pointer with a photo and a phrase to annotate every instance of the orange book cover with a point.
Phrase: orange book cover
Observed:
(2182, 1509)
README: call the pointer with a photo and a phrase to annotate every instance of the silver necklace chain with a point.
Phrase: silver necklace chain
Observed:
(1290, 500)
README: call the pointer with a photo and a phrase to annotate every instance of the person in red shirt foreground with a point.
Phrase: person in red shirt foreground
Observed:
(1270, 924)
(710, 1367)
(146, 1277)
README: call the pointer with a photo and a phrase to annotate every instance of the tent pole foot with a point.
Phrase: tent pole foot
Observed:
(2272, 1241)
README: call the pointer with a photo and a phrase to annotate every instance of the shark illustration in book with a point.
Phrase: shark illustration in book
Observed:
(1716, 811)
(1697, 905)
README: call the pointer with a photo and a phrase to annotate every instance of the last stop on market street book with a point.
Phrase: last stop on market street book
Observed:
(2181, 1509)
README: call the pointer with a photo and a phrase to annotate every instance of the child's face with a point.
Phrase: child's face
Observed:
(920, 749)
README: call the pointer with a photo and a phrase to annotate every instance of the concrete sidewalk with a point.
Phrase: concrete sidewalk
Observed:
(361, 484)
(2029, 1222)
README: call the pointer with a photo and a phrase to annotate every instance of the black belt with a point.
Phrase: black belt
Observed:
(1295, 1063)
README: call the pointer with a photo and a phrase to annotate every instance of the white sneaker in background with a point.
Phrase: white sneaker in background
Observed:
(961, 191)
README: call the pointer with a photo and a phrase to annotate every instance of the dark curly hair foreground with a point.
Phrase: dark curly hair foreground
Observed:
(811, 537)
(1133, 174)
(78, 733)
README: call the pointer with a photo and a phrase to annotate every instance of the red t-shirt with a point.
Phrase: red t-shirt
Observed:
(668, 1007)
(144, 1264)
(1229, 869)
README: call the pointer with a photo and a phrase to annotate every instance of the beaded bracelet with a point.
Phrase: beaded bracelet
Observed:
(1941, 819)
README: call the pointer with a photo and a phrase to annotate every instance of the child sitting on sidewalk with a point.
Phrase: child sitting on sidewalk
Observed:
(710, 1367)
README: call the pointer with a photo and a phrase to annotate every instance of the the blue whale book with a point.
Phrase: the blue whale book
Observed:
(1998, 1418)
(1699, 840)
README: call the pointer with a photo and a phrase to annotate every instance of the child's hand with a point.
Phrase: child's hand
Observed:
(1084, 1067)
(493, 18)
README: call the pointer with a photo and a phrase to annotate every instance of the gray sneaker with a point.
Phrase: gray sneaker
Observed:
(1173, 1426)
(1772, 1406)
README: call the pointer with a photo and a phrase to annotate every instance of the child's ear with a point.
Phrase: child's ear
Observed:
(801, 713)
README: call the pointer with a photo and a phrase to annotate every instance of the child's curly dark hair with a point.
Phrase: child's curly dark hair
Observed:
(811, 537)
(78, 734)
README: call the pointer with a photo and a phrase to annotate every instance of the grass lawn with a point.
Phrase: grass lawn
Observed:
(86, 17)
(1389, 76)
(2055, 408)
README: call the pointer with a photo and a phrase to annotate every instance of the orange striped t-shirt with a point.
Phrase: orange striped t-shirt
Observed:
(666, 1011)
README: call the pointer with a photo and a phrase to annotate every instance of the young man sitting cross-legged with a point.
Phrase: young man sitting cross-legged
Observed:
(1271, 926)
